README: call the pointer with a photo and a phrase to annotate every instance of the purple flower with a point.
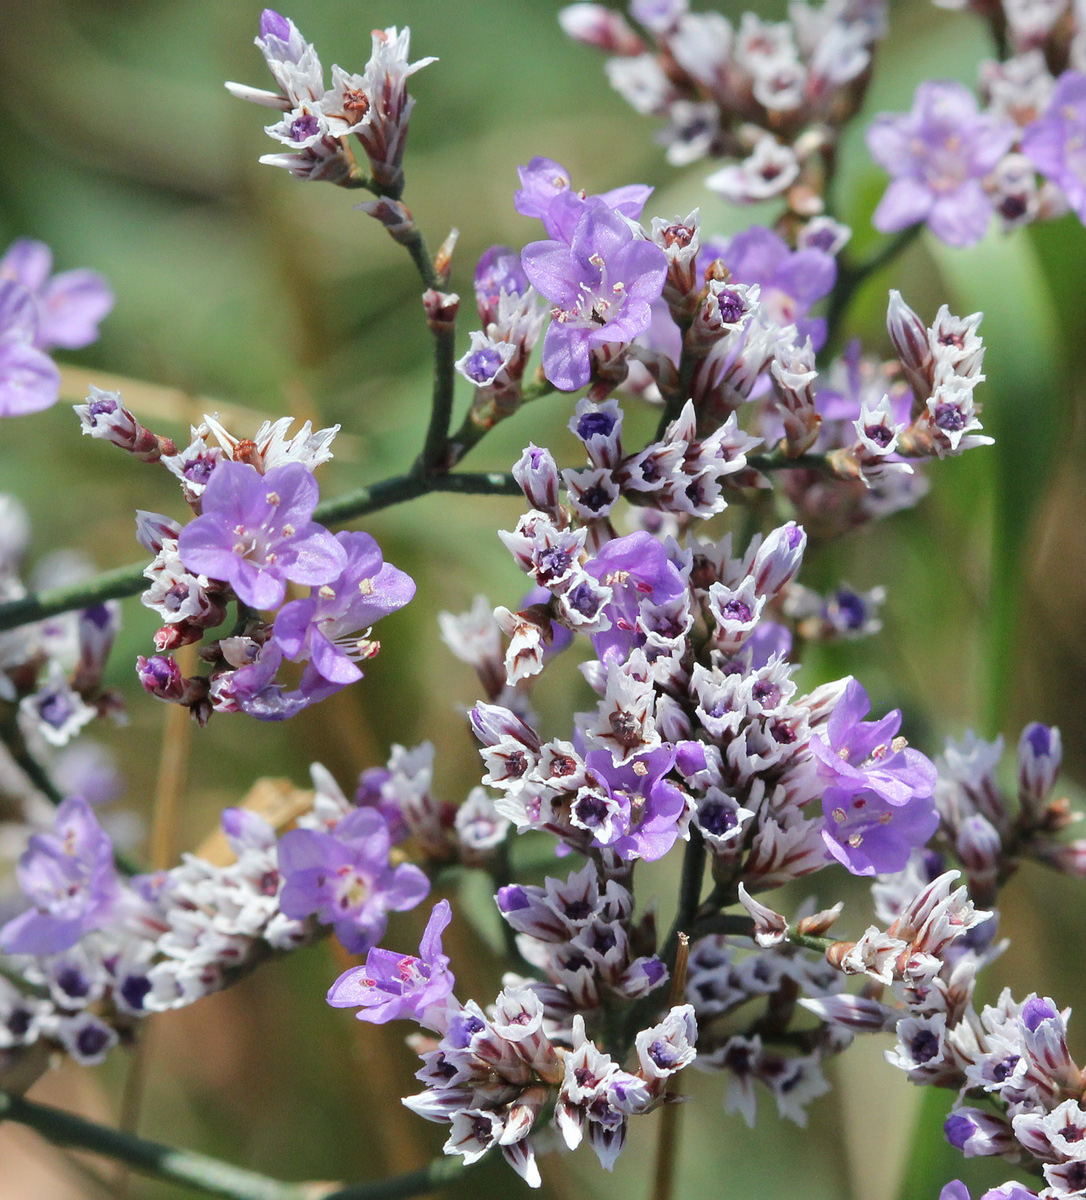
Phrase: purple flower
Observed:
(325, 627)
(29, 380)
(865, 755)
(938, 154)
(257, 531)
(392, 986)
(869, 835)
(546, 192)
(498, 271)
(632, 809)
(69, 878)
(69, 306)
(345, 878)
(638, 571)
(1056, 142)
(602, 285)
(790, 280)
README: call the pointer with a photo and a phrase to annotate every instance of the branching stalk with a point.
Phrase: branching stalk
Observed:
(203, 1173)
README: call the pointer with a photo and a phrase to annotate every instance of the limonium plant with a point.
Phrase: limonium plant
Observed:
(697, 737)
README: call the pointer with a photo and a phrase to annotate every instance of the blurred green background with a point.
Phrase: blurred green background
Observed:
(121, 149)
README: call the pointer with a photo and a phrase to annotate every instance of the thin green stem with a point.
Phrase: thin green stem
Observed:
(202, 1173)
(851, 275)
(15, 744)
(127, 581)
(688, 364)
(693, 873)
(420, 256)
(12, 737)
(435, 448)
(477, 423)
(739, 925)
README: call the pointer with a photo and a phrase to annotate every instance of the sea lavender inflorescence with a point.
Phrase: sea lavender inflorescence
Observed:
(701, 734)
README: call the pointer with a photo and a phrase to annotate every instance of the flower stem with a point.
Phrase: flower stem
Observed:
(851, 275)
(203, 1173)
(127, 581)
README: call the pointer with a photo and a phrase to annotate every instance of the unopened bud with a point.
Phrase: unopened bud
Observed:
(537, 474)
(600, 26)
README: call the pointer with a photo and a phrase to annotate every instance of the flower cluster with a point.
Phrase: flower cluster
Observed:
(1019, 157)
(40, 312)
(318, 122)
(773, 94)
(703, 731)
(98, 951)
(491, 1075)
(52, 673)
(254, 534)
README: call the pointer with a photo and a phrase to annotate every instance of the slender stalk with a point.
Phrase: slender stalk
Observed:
(668, 1144)
(434, 450)
(851, 275)
(202, 1173)
(689, 896)
(14, 742)
(12, 737)
(688, 364)
(127, 581)
(740, 925)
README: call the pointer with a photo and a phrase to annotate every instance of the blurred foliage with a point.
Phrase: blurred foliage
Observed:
(120, 148)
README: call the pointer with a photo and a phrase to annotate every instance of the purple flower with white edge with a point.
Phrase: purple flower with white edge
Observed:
(637, 570)
(632, 809)
(256, 532)
(69, 877)
(497, 271)
(860, 755)
(485, 359)
(69, 305)
(789, 281)
(1056, 142)
(602, 285)
(546, 192)
(393, 986)
(938, 155)
(870, 836)
(345, 878)
(325, 627)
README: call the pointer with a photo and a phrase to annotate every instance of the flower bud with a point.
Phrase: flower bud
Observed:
(976, 1133)
(537, 474)
(600, 26)
(1039, 756)
(910, 338)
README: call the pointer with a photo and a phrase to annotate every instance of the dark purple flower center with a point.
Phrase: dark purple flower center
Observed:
(135, 989)
(731, 306)
(736, 610)
(595, 424)
(717, 819)
(595, 498)
(949, 417)
(98, 408)
(925, 1046)
(482, 366)
(55, 708)
(663, 1053)
(18, 1021)
(553, 562)
(198, 470)
(766, 693)
(852, 609)
(879, 434)
(304, 127)
(72, 982)
(91, 1040)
